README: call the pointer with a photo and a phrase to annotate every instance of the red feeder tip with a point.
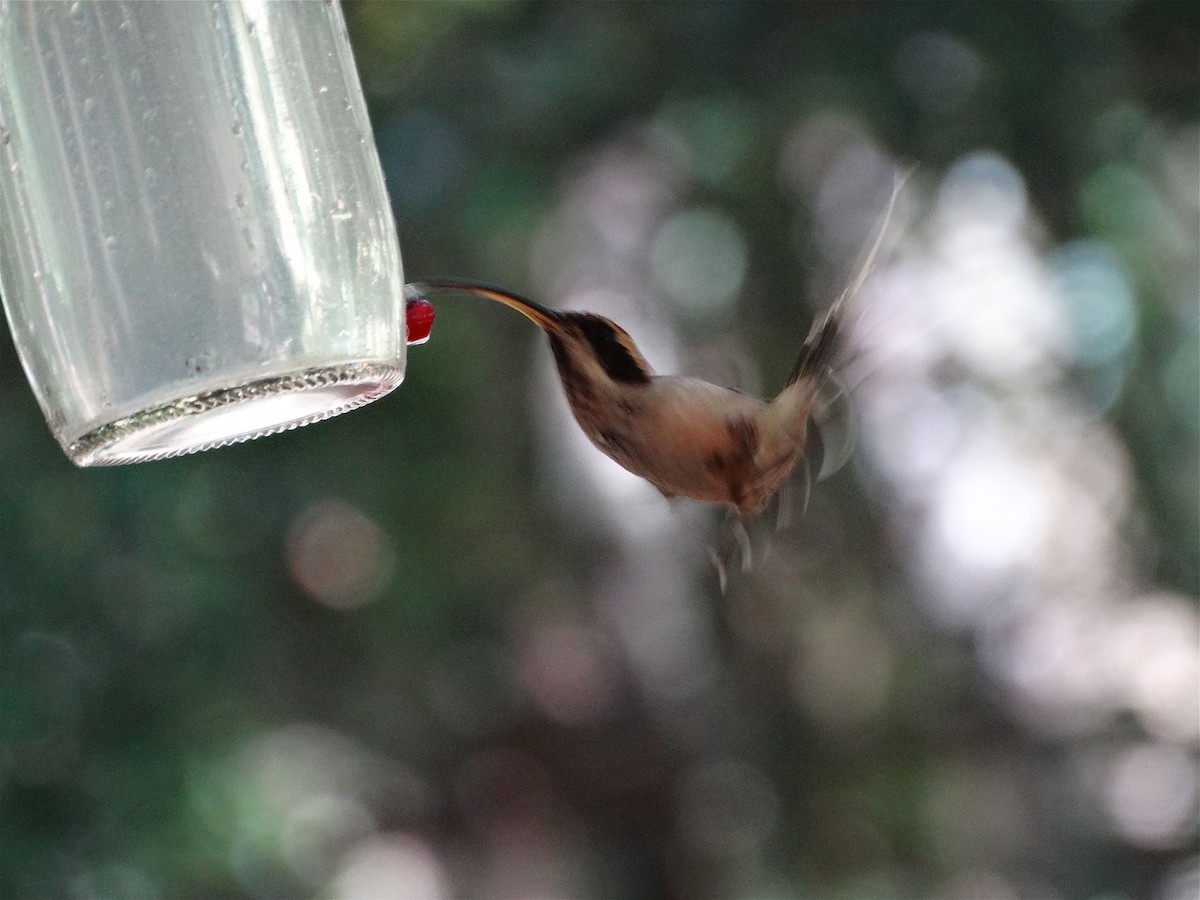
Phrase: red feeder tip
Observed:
(420, 315)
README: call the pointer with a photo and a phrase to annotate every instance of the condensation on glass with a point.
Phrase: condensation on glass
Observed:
(196, 245)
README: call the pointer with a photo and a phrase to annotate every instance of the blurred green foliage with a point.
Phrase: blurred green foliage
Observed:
(169, 692)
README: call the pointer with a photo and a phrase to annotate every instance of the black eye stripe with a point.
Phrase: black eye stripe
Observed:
(614, 356)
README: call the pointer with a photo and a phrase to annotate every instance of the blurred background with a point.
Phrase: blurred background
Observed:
(442, 647)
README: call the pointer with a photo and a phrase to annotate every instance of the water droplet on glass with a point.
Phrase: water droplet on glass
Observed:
(237, 127)
(89, 106)
(110, 242)
(340, 210)
(323, 90)
(77, 11)
(239, 200)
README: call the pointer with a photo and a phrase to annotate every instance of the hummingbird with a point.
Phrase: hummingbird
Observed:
(686, 436)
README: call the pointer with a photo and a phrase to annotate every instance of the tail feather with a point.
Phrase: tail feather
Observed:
(816, 356)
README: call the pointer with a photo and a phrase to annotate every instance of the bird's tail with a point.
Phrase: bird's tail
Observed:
(816, 355)
(812, 392)
(815, 361)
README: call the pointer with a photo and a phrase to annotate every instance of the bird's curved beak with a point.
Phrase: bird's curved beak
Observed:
(545, 318)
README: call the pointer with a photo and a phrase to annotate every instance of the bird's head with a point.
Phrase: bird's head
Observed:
(596, 348)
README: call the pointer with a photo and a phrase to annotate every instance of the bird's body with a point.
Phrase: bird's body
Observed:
(724, 446)
(714, 436)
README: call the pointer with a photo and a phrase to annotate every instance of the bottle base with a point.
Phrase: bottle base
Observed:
(235, 414)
